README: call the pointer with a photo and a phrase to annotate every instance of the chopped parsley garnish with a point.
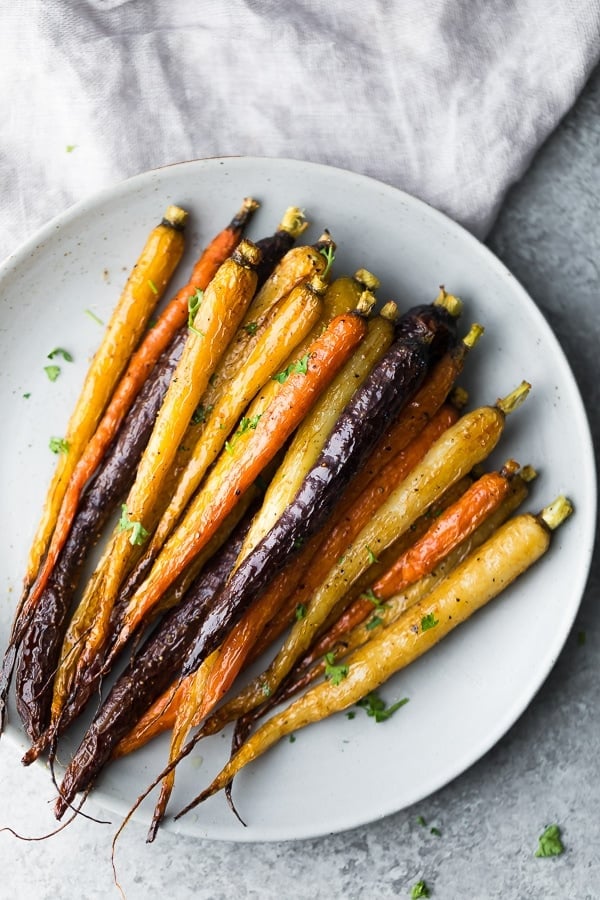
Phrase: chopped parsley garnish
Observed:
(421, 821)
(371, 556)
(292, 738)
(299, 542)
(138, 532)
(376, 707)
(429, 621)
(351, 714)
(153, 287)
(550, 843)
(70, 147)
(300, 612)
(335, 674)
(419, 889)
(58, 351)
(193, 306)
(266, 690)
(93, 316)
(251, 327)
(52, 372)
(329, 254)
(229, 446)
(201, 414)
(299, 367)
(435, 831)
(248, 424)
(58, 445)
(370, 595)
(373, 623)
(27, 395)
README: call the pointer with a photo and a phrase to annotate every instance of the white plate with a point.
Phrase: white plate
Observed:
(467, 692)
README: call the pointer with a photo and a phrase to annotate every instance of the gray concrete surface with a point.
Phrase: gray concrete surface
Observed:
(544, 770)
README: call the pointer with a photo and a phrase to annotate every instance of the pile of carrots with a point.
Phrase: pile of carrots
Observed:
(289, 465)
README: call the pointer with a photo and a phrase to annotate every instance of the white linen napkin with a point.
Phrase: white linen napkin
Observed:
(447, 99)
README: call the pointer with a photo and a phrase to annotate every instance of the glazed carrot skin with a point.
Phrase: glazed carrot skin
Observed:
(148, 674)
(218, 316)
(514, 548)
(144, 287)
(234, 472)
(142, 362)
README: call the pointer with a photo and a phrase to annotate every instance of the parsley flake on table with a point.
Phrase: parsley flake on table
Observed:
(419, 889)
(429, 621)
(52, 372)
(58, 445)
(550, 843)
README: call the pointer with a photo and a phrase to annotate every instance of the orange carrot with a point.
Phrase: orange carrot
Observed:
(143, 360)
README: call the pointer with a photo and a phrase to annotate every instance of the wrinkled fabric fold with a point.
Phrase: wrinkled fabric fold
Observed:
(448, 100)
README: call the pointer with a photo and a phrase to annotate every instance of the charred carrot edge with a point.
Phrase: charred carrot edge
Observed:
(146, 284)
(143, 360)
(515, 547)
(234, 472)
(223, 305)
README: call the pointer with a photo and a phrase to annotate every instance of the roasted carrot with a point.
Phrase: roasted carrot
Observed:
(215, 675)
(452, 526)
(144, 288)
(289, 321)
(147, 674)
(216, 320)
(234, 471)
(384, 613)
(408, 424)
(142, 362)
(390, 385)
(311, 435)
(515, 547)
(462, 446)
